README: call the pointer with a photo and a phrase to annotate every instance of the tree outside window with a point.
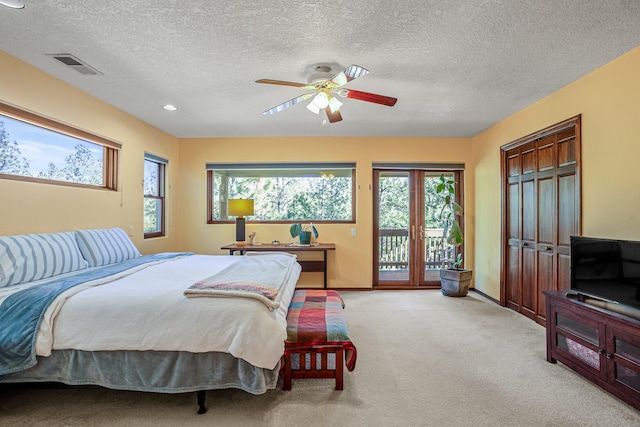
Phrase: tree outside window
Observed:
(34, 148)
(284, 192)
(154, 196)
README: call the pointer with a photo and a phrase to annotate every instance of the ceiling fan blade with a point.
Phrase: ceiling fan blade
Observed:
(369, 97)
(287, 104)
(333, 116)
(283, 83)
(344, 77)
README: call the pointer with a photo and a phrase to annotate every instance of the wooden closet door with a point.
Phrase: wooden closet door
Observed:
(528, 205)
(569, 201)
(541, 210)
(546, 211)
(513, 218)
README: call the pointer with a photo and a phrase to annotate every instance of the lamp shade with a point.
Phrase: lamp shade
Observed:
(240, 207)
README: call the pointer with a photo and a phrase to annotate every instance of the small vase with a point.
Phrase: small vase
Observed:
(305, 237)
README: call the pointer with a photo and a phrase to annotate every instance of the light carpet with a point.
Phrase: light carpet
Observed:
(423, 360)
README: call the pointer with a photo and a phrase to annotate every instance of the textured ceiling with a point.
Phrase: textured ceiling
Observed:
(456, 67)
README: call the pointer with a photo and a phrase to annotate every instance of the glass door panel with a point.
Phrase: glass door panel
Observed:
(409, 248)
(394, 217)
(437, 252)
(580, 337)
(626, 359)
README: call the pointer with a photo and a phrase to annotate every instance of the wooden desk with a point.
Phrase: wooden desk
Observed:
(308, 266)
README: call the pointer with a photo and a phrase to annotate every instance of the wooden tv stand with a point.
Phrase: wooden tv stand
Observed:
(599, 344)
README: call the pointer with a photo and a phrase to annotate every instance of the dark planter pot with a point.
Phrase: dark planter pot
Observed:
(305, 237)
(455, 283)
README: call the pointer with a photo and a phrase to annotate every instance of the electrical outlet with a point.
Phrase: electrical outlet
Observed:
(131, 230)
(353, 231)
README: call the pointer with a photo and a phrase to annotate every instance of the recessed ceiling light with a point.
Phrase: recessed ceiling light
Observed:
(14, 4)
(170, 107)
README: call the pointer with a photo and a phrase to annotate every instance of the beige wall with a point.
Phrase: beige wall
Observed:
(351, 264)
(609, 101)
(27, 207)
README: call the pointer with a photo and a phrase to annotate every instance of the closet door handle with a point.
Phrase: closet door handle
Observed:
(548, 248)
(525, 244)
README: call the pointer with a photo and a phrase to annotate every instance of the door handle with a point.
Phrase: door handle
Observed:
(413, 232)
(421, 232)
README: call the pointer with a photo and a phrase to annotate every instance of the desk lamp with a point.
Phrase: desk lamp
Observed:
(239, 208)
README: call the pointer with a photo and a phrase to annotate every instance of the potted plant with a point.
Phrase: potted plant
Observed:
(304, 233)
(454, 279)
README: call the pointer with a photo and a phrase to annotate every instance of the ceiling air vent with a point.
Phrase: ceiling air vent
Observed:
(73, 62)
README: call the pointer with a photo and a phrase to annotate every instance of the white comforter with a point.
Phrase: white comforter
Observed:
(147, 310)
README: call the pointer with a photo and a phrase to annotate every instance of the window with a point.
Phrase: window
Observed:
(283, 192)
(154, 191)
(34, 148)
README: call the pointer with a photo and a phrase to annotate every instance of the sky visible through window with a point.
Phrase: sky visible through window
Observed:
(42, 146)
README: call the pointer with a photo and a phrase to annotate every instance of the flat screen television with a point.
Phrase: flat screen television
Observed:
(606, 269)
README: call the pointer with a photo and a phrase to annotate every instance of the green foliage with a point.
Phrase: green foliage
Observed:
(457, 264)
(11, 160)
(296, 229)
(452, 232)
(286, 198)
(80, 166)
(394, 202)
(393, 199)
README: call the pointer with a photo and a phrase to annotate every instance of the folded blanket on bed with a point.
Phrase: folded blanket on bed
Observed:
(22, 312)
(257, 277)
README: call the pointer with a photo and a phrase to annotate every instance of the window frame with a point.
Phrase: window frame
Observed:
(110, 148)
(212, 167)
(161, 163)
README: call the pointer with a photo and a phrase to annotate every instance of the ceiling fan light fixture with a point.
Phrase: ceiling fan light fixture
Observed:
(321, 100)
(13, 4)
(313, 108)
(334, 104)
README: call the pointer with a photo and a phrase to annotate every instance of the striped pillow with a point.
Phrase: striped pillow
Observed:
(30, 257)
(105, 246)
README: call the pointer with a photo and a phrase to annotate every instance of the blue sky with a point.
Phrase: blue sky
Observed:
(42, 146)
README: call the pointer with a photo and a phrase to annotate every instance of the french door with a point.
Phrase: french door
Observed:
(408, 246)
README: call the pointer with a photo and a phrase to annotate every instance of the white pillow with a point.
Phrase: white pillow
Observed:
(30, 257)
(105, 246)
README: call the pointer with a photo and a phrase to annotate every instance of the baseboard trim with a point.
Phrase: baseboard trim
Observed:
(485, 295)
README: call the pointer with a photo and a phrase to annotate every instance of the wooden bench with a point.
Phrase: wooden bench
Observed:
(318, 343)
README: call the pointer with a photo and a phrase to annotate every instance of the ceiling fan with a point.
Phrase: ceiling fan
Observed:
(323, 87)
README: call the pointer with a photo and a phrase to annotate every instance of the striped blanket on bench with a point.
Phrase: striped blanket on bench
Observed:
(316, 319)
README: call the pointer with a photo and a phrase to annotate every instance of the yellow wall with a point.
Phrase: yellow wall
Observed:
(607, 98)
(609, 101)
(351, 264)
(27, 207)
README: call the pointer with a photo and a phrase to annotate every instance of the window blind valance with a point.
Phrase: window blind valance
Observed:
(419, 166)
(289, 169)
(43, 122)
(154, 158)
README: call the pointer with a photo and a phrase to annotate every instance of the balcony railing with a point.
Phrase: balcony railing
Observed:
(394, 249)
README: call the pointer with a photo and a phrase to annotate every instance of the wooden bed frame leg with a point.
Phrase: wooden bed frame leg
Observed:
(286, 377)
(340, 369)
(201, 397)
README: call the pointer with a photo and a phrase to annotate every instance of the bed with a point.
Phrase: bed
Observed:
(85, 308)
